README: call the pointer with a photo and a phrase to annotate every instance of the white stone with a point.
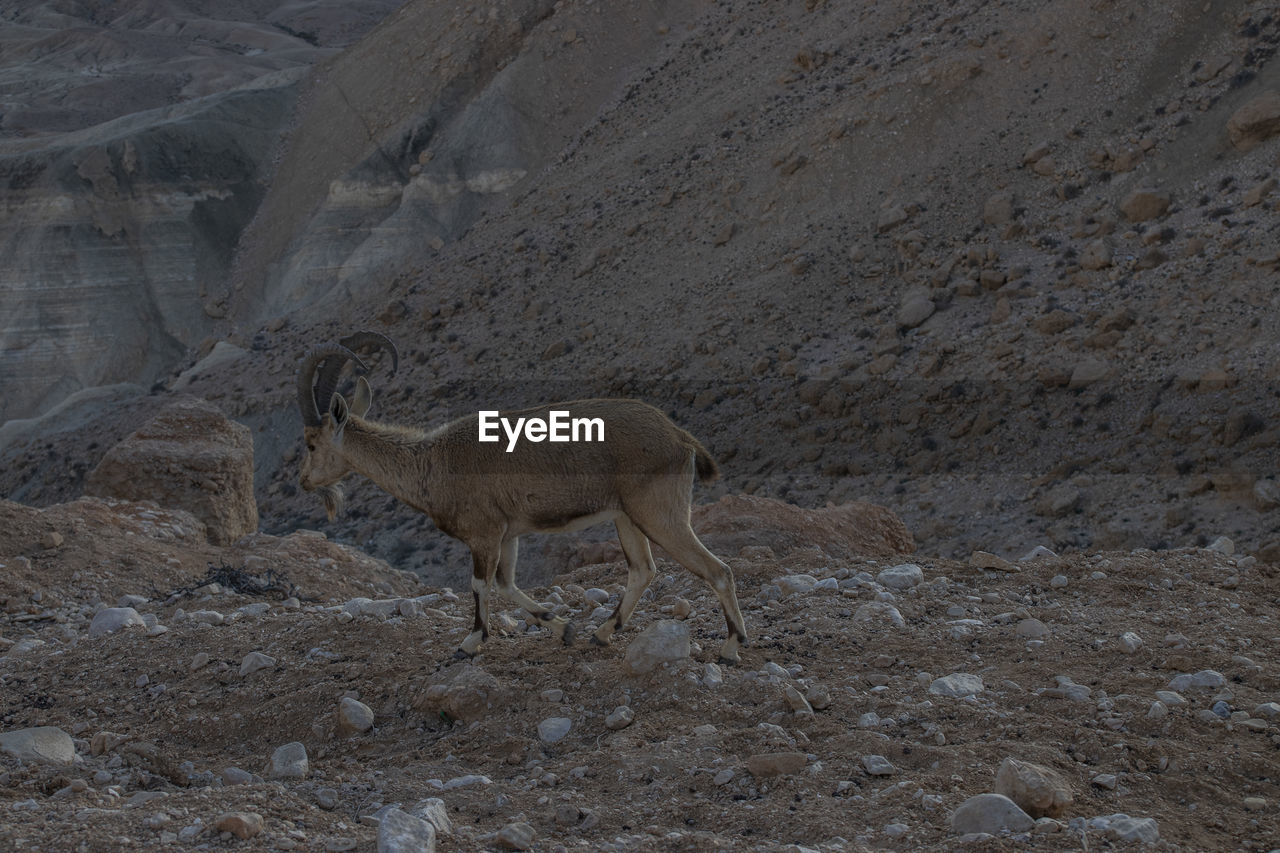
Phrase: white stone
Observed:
(44, 744)
(207, 617)
(289, 762)
(1157, 711)
(400, 832)
(1032, 629)
(1036, 553)
(354, 716)
(1171, 698)
(112, 619)
(874, 611)
(1130, 642)
(434, 812)
(255, 661)
(901, 577)
(792, 584)
(1059, 581)
(990, 813)
(665, 641)
(877, 765)
(957, 684)
(621, 717)
(554, 729)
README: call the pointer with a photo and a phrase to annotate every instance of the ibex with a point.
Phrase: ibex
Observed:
(640, 477)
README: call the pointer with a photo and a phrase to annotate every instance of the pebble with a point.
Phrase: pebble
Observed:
(878, 765)
(516, 836)
(1222, 545)
(621, 717)
(796, 584)
(665, 641)
(724, 777)
(199, 661)
(712, 675)
(255, 661)
(957, 684)
(236, 776)
(112, 619)
(207, 617)
(895, 830)
(1121, 827)
(242, 825)
(45, 744)
(596, 595)
(1105, 780)
(1269, 710)
(990, 813)
(1036, 553)
(1255, 804)
(796, 701)
(399, 832)
(1067, 689)
(901, 577)
(1130, 642)
(554, 729)
(869, 720)
(987, 560)
(1157, 711)
(289, 762)
(354, 716)
(1059, 581)
(1170, 698)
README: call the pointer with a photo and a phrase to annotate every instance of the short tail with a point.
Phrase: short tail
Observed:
(708, 470)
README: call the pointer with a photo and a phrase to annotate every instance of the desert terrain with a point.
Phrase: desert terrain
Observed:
(974, 303)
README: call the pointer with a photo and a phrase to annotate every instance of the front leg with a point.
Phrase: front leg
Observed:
(558, 626)
(484, 563)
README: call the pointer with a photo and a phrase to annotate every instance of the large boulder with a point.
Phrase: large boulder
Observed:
(191, 457)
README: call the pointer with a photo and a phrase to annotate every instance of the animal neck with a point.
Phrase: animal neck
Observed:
(394, 457)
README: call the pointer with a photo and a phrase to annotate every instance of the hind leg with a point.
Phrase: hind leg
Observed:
(679, 540)
(640, 572)
(558, 626)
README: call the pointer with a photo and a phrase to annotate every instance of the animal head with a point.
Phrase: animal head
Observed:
(323, 460)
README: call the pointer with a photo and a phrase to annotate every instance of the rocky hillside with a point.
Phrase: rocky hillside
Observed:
(288, 693)
(1005, 270)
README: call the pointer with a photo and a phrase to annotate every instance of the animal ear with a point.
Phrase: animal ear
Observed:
(363, 397)
(338, 409)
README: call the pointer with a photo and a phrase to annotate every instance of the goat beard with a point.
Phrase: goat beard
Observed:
(333, 500)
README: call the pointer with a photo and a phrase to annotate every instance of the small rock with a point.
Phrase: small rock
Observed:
(1036, 553)
(1157, 711)
(255, 661)
(1144, 204)
(1170, 698)
(1105, 780)
(1222, 545)
(236, 776)
(901, 577)
(516, 836)
(1096, 255)
(434, 812)
(353, 716)
(50, 540)
(987, 560)
(1255, 804)
(207, 617)
(1039, 791)
(1032, 629)
(568, 814)
(1255, 121)
(1059, 501)
(289, 762)
(242, 825)
(1205, 679)
(45, 744)
(112, 619)
(663, 642)
(1267, 710)
(1130, 642)
(915, 311)
(199, 661)
(554, 729)
(621, 717)
(793, 584)
(990, 813)
(877, 765)
(1124, 828)
(1058, 581)
(957, 684)
(724, 777)
(399, 832)
(796, 701)
(769, 764)
(876, 610)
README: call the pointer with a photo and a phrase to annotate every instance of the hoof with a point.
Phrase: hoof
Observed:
(596, 641)
(461, 654)
(724, 661)
(569, 634)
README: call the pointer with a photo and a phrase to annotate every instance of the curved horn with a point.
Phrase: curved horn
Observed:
(329, 360)
(361, 340)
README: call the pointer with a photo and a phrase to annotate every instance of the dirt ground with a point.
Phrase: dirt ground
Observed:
(678, 776)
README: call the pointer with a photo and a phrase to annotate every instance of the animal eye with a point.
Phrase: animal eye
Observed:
(311, 448)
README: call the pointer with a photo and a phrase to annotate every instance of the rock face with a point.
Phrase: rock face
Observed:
(189, 457)
(856, 528)
(130, 165)
(1039, 791)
